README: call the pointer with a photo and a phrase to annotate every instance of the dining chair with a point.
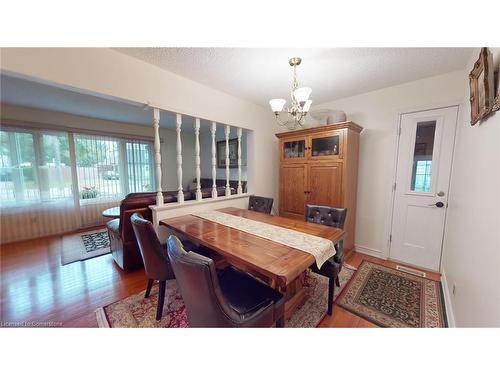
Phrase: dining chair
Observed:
(260, 204)
(333, 217)
(154, 255)
(229, 298)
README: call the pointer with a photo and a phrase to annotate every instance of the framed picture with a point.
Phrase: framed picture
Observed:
(496, 103)
(481, 87)
(233, 153)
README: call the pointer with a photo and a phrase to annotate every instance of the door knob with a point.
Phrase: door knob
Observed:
(437, 204)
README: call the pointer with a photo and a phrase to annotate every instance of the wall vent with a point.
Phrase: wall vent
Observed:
(411, 271)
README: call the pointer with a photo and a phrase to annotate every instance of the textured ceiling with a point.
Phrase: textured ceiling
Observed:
(261, 74)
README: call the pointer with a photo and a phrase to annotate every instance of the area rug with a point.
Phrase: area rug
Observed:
(138, 312)
(391, 298)
(86, 245)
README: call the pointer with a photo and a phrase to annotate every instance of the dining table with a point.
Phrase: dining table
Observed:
(281, 266)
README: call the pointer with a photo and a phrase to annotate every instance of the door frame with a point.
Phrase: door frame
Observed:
(391, 196)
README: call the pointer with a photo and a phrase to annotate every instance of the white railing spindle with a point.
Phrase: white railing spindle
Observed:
(197, 158)
(240, 189)
(156, 127)
(228, 187)
(178, 124)
(213, 129)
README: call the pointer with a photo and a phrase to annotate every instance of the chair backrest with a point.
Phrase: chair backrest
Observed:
(154, 255)
(260, 204)
(326, 215)
(197, 280)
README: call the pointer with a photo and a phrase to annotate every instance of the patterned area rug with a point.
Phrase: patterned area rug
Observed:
(81, 246)
(391, 298)
(138, 312)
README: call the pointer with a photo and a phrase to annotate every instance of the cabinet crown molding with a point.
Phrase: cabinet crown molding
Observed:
(319, 129)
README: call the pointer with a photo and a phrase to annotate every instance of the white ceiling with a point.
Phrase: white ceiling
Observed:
(26, 93)
(259, 74)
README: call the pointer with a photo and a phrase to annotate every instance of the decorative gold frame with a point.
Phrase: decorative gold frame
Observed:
(496, 102)
(482, 66)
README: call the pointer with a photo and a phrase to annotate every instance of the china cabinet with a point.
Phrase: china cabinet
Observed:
(320, 166)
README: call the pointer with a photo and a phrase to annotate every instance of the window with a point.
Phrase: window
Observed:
(139, 166)
(422, 176)
(422, 157)
(36, 166)
(112, 167)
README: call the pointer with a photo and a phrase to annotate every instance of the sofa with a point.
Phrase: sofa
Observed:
(206, 185)
(123, 244)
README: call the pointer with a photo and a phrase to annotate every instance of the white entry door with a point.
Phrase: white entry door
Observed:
(425, 153)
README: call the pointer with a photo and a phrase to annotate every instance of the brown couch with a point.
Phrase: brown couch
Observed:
(124, 247)
(206, 183)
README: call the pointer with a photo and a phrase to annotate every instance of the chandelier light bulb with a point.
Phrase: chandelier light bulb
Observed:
(277, 104)
(307, 105)
(301, 94)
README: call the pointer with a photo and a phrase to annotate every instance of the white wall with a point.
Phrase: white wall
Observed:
(471, 251)
(377, 112)
(111, 73)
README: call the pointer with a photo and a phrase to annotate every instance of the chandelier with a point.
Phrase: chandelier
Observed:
(299, 106)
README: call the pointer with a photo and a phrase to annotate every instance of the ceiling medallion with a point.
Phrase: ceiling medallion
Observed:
(297, 111)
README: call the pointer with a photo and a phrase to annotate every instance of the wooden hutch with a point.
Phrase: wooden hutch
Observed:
(320, 166)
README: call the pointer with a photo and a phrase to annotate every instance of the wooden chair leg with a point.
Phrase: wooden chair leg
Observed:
(148, 289)
(337, 281)
(331, 294)
(280, 323)
(161, 299)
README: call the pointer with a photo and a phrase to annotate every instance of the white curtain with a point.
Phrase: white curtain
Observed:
(54, 182)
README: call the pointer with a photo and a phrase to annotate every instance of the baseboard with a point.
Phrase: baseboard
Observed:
(447, 300)
(369, 251)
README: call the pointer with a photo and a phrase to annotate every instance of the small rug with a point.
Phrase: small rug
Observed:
(138, 312)
(391, 298)
(86, 245)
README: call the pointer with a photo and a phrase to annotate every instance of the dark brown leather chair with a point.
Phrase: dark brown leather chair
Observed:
(333, 217)
(228, 299)
(154, 255)
(260, 204)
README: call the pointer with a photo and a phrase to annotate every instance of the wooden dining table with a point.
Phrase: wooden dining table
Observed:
(282, 267)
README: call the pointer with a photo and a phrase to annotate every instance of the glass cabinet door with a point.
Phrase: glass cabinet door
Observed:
(326, 145)
(294, 149)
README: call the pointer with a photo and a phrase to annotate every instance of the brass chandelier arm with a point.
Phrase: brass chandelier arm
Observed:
(291, 121)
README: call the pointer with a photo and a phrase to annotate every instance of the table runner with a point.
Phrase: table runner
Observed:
(320, 248)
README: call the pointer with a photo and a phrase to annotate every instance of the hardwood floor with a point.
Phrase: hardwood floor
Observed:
(37, 289)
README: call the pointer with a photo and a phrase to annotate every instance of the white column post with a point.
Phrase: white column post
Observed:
(156, 127)
(180, 193)
(228, 187)
(240, 189)
(197, 158)
(213, 129)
